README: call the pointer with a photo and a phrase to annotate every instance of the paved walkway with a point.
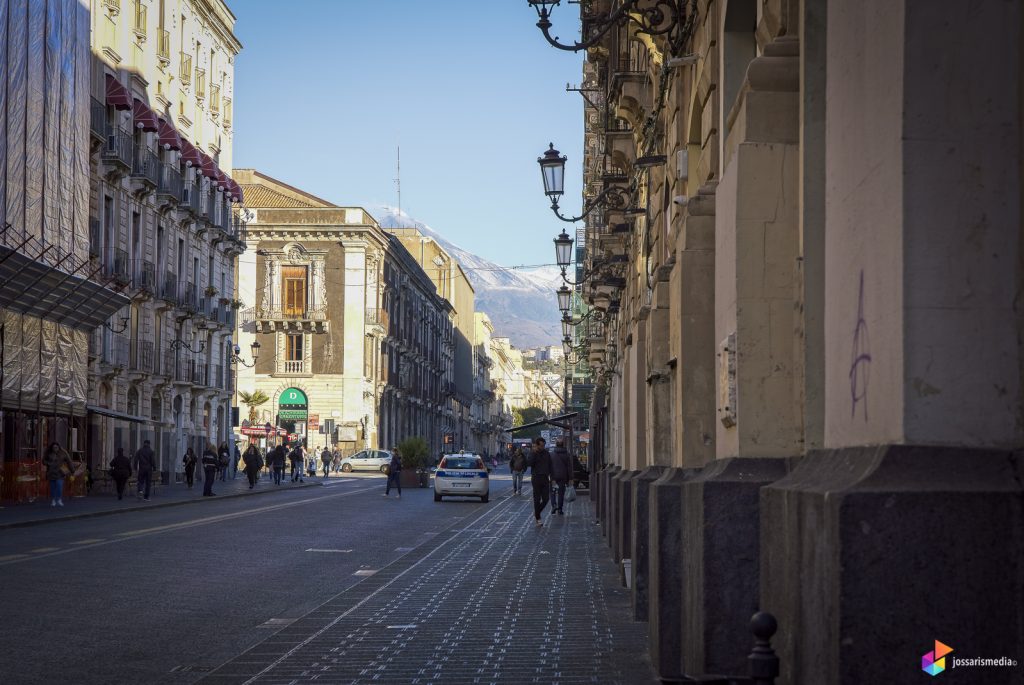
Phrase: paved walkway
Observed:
(494, 600)
(103, 503)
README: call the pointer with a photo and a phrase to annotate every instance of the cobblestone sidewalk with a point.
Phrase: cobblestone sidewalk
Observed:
(496, 600)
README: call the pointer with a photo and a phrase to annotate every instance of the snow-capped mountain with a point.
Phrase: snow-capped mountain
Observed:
(520, 302)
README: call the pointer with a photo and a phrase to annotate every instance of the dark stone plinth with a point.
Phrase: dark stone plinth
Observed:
(872, 553)
(608, 501)
(665, 587)
(595, 493)
(641, 538)
(622, 544)
(721, 585)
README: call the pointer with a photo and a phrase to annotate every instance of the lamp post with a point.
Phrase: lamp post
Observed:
(552, 168)
(235, 360)
(564, 299)
(667, 18)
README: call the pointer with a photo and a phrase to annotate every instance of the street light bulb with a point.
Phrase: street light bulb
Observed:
(255, 348)
(566, 326)
(564, 297)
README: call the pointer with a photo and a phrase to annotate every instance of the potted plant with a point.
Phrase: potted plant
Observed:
(210, 291)
(413, 453)
(237, 304)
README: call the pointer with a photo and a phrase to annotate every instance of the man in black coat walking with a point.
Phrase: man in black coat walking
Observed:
(561, 472)
(540, 477)
(210, 462)
(145, 464)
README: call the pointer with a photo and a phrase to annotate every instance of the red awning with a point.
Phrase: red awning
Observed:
(190, 155)
(169, 138)
(117, 95)
(145, 118)
(236, 191)
(209, 167)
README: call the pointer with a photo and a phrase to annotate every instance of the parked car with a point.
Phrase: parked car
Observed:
(367, 460)
(462, 475)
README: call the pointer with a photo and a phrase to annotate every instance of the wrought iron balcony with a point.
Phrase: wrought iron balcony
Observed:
(119, 148)
(215, 100)
(185, 69)
(199, 375)
(170, 186)
(98, 125)
(288, 320)
(163, 47)
(95, 233)
(169, 290)
(184, 368)
(189, 298)
(146, 168)
(145, 277)
(200, 83)
(143, 358)
(119, 266)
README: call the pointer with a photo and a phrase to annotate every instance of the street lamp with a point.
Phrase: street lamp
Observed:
(552, 167)
(563, 250)
(667, 18)
(181, 344)
(564, 298)
(254, 349)
(566, 325)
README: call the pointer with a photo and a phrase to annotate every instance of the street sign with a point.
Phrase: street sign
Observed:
(314, 422)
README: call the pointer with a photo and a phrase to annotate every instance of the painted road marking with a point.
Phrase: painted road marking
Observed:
(146, 532)
(41, 550)
(340, 551)
(367, 572)
(91, 541)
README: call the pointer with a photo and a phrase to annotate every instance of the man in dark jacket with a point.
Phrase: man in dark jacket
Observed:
(253, 463)
(325, 459)
(394, 475)
(145, 464)
(277, 462)
(210, 462)
(561, 472)
(540, 477)
(295, 457)
(120, 471)
(517, 464)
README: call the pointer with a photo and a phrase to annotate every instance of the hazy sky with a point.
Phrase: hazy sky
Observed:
(325, 90)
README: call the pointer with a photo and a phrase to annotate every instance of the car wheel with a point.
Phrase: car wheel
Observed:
(437, 497)
(384, 469)
(347, 468)
(484, 498)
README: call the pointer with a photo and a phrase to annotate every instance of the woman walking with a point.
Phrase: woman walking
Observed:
(209, 469)
(253, 463)
(223, 461)
(58, 465)
(190, 460)
(120, 471)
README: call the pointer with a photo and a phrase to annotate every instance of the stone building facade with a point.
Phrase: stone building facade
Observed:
(353, 337)
(162, 225)
(757, 448)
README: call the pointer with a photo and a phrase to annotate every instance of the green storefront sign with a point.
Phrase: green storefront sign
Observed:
(293, 405)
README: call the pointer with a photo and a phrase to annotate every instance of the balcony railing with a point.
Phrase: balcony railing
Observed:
(185, 69)
(145, 277)
(215, 100)
(295, 366)
(119, 266)
(170, 182)
(278, 313)
(98, 118)
(191, 196)
(116, 353)
(184, 368)
(199, 373)
(146, 166)
(169, 291)
(189, 298)
(216, 376)
(227, 113)
(119, 148)
(140, 18)
(163, 46)
(200, 83)
(156, 366)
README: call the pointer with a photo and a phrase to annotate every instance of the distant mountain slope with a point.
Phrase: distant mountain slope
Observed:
(520, 302)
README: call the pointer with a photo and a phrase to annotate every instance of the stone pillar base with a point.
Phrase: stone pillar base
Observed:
(665, 587)
(622, 515)
(873, 553)
(640, 544)
(721, 517)
(608, 500)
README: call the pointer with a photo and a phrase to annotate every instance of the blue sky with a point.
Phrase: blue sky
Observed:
(326, 89)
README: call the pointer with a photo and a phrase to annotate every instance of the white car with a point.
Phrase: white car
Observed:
(367, 460)
(462, 475)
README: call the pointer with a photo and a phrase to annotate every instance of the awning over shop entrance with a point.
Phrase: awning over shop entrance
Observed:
(37, 289)
(103, 411)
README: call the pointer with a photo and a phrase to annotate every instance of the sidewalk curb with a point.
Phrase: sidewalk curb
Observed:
(147, 507)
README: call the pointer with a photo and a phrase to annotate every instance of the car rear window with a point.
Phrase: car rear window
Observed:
(462, 463)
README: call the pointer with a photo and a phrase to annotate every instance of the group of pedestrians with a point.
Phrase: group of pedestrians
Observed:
(550, 473)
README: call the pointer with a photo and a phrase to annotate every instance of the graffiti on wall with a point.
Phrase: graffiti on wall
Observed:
(860, 366)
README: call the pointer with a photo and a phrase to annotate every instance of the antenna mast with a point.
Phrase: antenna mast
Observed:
(398, 180)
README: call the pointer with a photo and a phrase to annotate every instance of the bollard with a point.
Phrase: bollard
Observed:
(764, 664)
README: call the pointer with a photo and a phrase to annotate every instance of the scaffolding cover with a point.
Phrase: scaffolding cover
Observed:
(11, 357)
(29, 361)
(80, 368)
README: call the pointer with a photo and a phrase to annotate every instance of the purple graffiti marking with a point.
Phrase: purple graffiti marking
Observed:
(860, 367)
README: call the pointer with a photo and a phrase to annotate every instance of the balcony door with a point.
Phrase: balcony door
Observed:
(293, 285)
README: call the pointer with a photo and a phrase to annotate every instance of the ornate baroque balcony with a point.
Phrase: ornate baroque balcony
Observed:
(281, 319)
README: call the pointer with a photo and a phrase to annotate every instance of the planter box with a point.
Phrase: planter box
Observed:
(414, 478)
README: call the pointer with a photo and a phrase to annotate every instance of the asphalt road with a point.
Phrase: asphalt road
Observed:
(166, 596)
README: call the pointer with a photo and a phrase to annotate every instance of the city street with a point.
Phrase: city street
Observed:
(333, 583)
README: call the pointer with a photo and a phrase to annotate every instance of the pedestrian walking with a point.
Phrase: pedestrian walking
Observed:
(210, 464)
(517, 464)
(145, 465)
(336, 460)
(394, 475)
(238, 457)
(223, 461)
(58, 466)
(540, 477)
(253, 463)
(277, 461)
(325, 459)
(190, 460)
(120, 471)
(561, 472)
(295, 457)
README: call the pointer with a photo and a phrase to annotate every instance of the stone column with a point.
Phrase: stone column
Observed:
(640, 543)
(912, 514)
(665, 587)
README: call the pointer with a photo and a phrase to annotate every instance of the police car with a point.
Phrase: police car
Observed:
(462, 475)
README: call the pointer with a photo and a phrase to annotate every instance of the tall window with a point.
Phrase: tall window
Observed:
(293, 286)
(293, 348)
